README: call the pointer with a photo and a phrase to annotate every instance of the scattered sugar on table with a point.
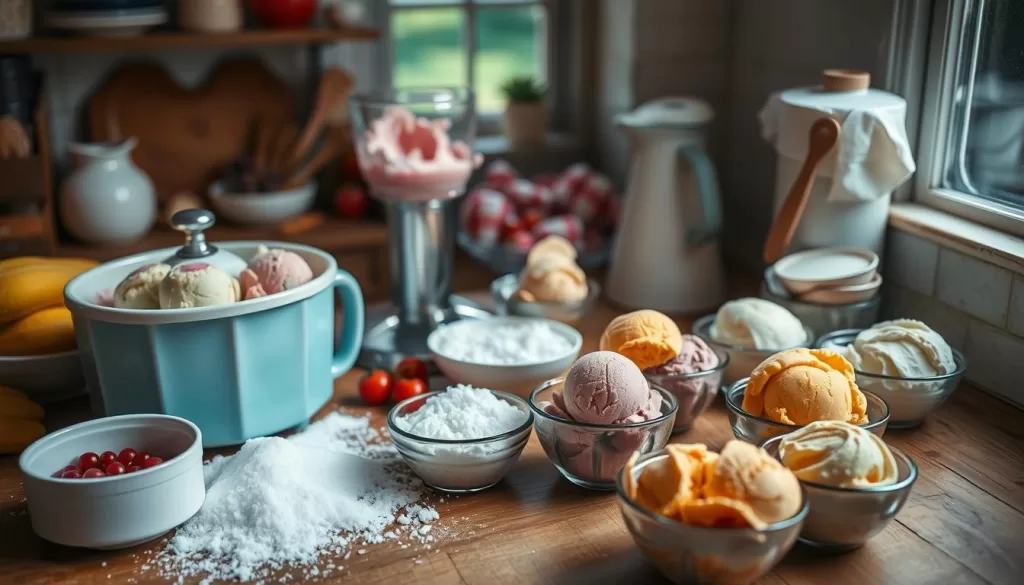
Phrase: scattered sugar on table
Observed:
(509, 344)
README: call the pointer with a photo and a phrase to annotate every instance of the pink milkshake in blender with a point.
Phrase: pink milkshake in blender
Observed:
(414, 148)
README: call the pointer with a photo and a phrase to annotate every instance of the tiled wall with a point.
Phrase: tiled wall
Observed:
(976, 306)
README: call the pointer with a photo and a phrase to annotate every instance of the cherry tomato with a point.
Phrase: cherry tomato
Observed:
(284, 13)
(412, 367)
(71, 474)
(93, 472)
(134, 468)
(106, 458)
(351, 201)
(115, 468)
(375, 387)
(126, 456)
(140, 458)
(152, 462)
(88, 461)
(408, 388)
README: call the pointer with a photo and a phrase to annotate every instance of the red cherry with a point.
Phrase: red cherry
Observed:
(88, 461)
(115, 468)
(140, 458)
(134, 468)
(351, 201)
(93, 472)
(106, 458)
(152, 462)
(74, 468)
(126, 456)
(72, 474)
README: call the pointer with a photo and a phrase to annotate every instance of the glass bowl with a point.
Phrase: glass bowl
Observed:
(755, 429)
(742, 360)
(503, 290)
(844, 519)
(696, 554)
(821, 317)
(910, 400)
(590, 455)
(695, 392)
(460, 466)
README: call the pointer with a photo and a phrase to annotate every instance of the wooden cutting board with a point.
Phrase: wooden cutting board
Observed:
(187, 135)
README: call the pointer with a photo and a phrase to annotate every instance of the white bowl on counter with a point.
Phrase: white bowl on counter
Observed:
(262, 208)
(826, 268)
(117, 511)
(44, 378)
(519, 379)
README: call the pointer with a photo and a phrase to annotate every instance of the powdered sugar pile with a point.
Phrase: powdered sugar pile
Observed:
(462, 412)
(283, 503)
(509, 344)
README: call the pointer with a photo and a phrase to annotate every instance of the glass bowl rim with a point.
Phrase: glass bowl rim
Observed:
(801, 514)
(702, 328)
(512, 398)
(593, 293)
(457, 95)
(958, 358)
(665, 395)
(905, 483)
(732, 406)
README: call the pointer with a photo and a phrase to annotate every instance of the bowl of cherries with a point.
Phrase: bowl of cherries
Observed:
(95, 470)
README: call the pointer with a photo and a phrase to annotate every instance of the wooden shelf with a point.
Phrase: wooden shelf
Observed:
(334, 235)
(170, 40)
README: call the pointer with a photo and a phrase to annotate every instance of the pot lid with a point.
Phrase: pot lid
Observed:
(672, 112)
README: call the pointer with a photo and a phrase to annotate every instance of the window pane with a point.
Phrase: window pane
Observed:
(429, 47)
(987, 159)
(423, 2)
(510, 42)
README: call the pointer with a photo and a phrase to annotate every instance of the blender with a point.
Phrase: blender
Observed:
(414, 148)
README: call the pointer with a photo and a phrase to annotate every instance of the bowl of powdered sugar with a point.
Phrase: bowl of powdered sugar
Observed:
(462, 439)
(513, 354)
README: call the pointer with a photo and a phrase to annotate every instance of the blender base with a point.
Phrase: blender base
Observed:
(388, 341)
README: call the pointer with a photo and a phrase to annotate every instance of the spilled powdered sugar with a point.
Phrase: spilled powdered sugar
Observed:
(279, 505)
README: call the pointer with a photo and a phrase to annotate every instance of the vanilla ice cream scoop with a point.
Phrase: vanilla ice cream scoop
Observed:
(551, 273)
(901, 348)
(141, 288)
(753, 323)
(838, 454)
(198, 284)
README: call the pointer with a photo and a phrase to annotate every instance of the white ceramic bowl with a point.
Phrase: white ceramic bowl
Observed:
(45, 378)
(262, 208)
(805, 271)
(519, 379)
(846, 294)
(120, 511)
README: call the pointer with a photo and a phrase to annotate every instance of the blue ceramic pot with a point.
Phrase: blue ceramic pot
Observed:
(238, 371)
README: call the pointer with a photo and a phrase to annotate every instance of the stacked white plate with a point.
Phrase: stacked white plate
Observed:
(830, 276)
(127, 22)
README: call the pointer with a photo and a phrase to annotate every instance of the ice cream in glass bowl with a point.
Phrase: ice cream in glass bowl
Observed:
(797, 387)
(751, 329)
(906, 362)
(705, 517)
(591, 421)
(855, 482)
(685, 365)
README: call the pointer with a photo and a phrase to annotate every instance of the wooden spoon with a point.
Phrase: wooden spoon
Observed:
(823, 136)
(335, 85)
(281, 152)
(330, 149)
(261, 147)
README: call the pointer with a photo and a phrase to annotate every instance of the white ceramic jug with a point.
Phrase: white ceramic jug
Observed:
(107, 199)
(666, 254)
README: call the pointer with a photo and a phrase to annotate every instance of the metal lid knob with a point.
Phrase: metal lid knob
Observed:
(194, 222)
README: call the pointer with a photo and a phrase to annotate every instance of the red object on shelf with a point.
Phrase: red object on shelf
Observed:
(284, 13)
(351, 201)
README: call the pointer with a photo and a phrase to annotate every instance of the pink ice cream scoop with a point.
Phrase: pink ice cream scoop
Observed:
(273, 271)
(605, 387)
(695, 356)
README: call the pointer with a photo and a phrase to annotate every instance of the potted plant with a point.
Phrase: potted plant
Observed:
(526, 115)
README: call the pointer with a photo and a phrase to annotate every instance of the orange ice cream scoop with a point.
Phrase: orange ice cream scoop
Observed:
(747, 485)
(801, 386)
(647, 337)
(667, 485)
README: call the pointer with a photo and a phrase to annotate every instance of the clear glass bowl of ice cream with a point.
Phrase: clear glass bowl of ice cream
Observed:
(692, 380)
(751, 329)
(415, 144)
(688, 553)
(911, 398)
(591, 454)
(459, 465)
(845, 515)
(504, 291)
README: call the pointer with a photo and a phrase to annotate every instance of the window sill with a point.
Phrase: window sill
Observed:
(962, 235)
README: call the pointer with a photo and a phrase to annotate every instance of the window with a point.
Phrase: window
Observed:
(971, 144)
(475, 43)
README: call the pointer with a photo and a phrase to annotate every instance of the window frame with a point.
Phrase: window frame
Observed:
(555, 19)
(923, 54)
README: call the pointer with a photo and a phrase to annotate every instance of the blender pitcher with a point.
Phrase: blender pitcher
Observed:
(666, 254)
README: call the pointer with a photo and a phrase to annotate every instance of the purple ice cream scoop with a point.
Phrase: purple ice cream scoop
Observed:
(696, 356)
(693, 377)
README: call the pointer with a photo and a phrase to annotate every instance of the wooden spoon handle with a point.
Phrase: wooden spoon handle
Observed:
(283, 143)
(823, 136)
(330, 149)
(261, 149)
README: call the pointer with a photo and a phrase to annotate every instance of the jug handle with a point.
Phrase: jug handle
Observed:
(347, 349)
(707, 189)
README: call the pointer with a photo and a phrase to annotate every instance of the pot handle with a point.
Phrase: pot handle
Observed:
(707, 190)
(347, 348)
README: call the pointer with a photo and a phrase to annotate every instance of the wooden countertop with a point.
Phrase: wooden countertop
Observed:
(963, 523)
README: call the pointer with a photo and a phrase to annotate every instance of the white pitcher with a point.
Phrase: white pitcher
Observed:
(666, 254)
(107, 199)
